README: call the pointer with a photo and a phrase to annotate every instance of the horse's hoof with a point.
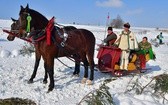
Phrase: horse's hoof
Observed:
(45, 82)
(30, 82)
(75, 75)
(89, 82)
(83, 81)
(49, 90)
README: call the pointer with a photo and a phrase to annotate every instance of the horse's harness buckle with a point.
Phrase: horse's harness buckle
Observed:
(62, 44)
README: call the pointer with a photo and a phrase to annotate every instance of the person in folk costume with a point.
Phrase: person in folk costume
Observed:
(126, 43)
(145, 48)
(111, 37)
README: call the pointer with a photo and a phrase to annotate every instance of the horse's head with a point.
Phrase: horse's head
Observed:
(24, 21)
(30, 19)
(14, 29)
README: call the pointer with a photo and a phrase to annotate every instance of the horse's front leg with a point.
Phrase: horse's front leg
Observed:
(38, 57)
(91, 64)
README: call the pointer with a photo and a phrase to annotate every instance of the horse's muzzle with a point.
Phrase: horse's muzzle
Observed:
(10, 38)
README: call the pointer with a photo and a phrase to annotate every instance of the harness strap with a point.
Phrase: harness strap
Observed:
(11, 33)
(64, 63)
(49, 29)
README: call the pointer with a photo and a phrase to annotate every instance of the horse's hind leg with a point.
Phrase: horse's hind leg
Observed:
(85, 61)
(90, 57)
(86, 64)
(38, 57)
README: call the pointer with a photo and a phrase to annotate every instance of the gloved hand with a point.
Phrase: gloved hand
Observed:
(103, 43)
(115, 45)
(127, 50)
(147, 51)
(141, 49)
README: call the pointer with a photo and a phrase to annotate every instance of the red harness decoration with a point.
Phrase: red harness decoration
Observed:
(49, 28)
(30, 40)
(11, 33)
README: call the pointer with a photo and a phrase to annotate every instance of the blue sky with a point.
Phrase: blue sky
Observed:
(143, 13)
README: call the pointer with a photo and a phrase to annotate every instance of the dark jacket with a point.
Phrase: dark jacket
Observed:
(110, 39)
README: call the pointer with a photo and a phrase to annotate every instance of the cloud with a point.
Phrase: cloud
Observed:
(110, 3)
(134, 12)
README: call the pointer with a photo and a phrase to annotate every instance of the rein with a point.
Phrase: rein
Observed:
(16, 35)
(30, 40)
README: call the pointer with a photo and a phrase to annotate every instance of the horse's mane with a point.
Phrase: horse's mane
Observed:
(36, 12)
(40, 19)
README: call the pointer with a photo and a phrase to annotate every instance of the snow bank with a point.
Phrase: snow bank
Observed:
(5, 53)
(15, 53)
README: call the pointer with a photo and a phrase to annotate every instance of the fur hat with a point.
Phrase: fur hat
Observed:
(127, 25)
(110, 28)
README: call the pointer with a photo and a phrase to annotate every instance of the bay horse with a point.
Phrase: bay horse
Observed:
(14, 32)
(81, 42)
(14, 29)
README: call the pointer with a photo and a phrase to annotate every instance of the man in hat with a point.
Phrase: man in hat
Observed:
(126, 43)
(111, 37)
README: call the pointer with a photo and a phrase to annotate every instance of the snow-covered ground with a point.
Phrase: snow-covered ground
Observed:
(15, 70)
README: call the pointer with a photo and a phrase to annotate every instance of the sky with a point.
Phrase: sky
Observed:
(139, 13)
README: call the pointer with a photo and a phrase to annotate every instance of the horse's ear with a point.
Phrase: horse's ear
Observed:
(21, 7)
(27, 7)
(14, 20)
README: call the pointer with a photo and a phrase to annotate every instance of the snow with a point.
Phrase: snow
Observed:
(5, 53)
(15, 53)
(15, 70)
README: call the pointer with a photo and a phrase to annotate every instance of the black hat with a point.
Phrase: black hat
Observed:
(127, 25)
(110, 28)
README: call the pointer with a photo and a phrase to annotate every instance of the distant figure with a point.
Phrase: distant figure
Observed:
(145, 52)
(111, 37)
(126, 43)
(160, 37)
